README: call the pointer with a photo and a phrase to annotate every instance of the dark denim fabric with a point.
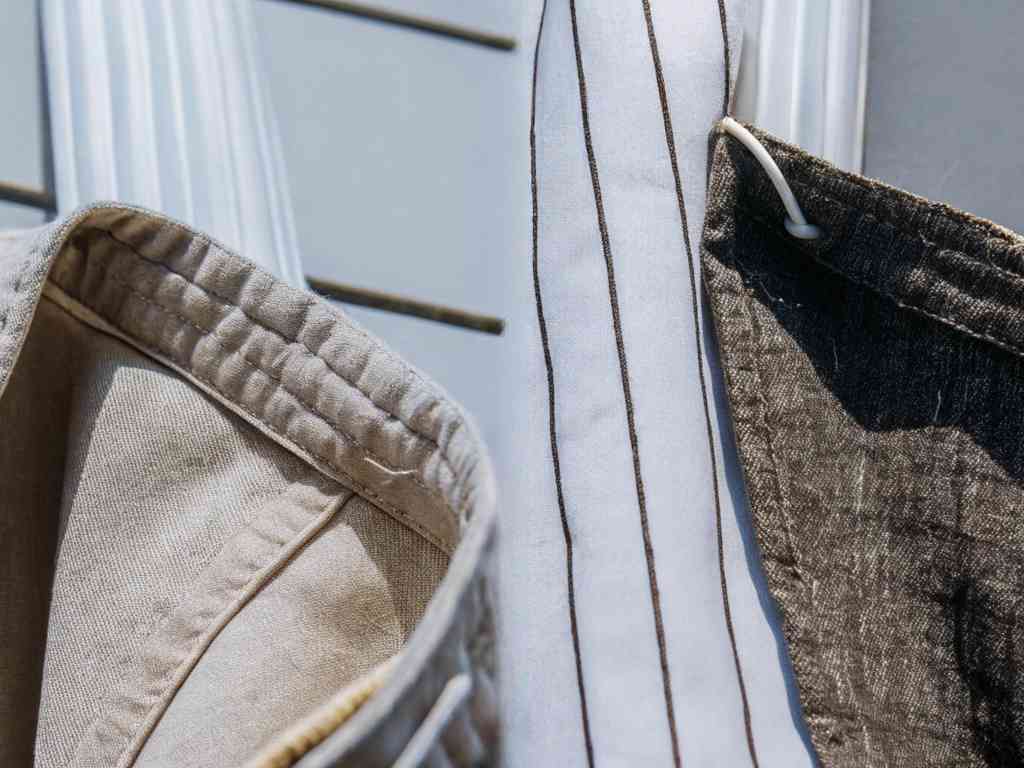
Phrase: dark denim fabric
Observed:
(876, 385)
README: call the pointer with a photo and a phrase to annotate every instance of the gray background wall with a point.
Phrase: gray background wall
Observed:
(407, 158)
(945, 102)
(22, 140)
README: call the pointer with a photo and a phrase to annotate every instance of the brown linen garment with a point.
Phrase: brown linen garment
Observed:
(876, 386)
(234, 527)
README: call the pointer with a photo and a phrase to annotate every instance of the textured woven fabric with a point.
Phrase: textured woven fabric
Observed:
(157, 481)
(240, 502)
(877, 394)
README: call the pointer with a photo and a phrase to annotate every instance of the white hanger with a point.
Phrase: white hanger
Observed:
(796, 223)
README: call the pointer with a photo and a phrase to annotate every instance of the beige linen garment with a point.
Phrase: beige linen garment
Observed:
(234, 528)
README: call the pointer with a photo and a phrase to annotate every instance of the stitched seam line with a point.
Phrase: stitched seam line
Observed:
(767, 430)
(305, 349)
(230, 609)
(1007, 345)
(807, 661)
(807, 675)
(917, 234)
(798, 177)
(314, 457)
(289, 340)
(212, 335)
(876, 221)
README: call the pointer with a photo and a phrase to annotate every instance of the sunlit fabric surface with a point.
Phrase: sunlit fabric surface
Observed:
(225, 505)
(656, 672)
(875, 379)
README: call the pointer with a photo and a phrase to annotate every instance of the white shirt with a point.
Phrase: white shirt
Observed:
(644, 456)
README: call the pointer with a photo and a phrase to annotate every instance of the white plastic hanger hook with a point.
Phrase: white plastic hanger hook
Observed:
(796, 223)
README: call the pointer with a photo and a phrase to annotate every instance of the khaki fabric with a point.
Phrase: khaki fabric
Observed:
(346, 603)
(31, 489)
(222, 504)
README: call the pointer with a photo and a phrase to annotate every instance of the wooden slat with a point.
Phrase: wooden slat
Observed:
(22, 195)
(418, 23)
(401, 305)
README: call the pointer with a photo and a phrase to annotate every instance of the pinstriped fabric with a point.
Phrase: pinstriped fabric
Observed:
(691, 269)
(626, 396)
(652, 572)
(552, 428)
